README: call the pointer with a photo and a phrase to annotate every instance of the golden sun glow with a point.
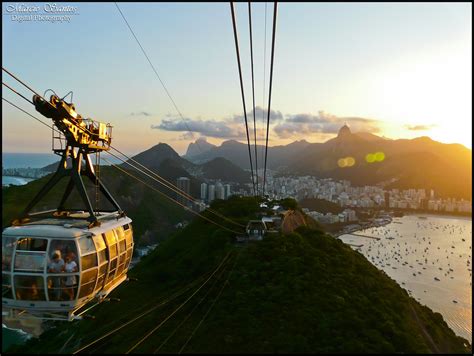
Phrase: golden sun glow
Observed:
(426, 96)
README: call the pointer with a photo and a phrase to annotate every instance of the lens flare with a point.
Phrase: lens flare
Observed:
(379, 156)
(350, 161)
(341, 162)
(370, 158)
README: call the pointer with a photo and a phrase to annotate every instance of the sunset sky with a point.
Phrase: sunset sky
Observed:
(397, 70)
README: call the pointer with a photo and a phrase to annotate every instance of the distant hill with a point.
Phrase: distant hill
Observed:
(220, 168)
(51, 167)
(154, 156)
(302, 292)
(199, 147)
(416, 163)
(237, 153)
(165, 161)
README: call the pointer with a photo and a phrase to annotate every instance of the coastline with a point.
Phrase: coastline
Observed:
(435, 296)
(344, 231)
(16, 180)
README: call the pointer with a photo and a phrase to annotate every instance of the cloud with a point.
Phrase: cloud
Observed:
(140, 113)
(210, 128)
(259, 114)
(419, 127)
(323, 123)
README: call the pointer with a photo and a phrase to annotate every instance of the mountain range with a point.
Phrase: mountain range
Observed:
(408, 163)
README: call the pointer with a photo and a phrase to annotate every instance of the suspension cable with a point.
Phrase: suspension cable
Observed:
(177, 309)
(158, 76)
(192, 310)
(264, 72)
(84, 129)
(253, 98)
(21, 82)
(242, 90)
(34, 117)
(166, 300)
(169, 198)
(270, 92)
(169, 185)
(17, 93)
(212, 305)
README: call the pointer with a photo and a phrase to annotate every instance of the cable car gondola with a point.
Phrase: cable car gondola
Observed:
(35, 254)
(256, 229)
(55, 262)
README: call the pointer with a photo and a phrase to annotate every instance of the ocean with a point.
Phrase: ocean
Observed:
(8, 180)
(25, 160)
(416, 249)
(32, 160)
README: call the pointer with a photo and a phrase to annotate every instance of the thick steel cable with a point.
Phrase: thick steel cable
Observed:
(242, 90)
(192, 310)
(34, 117)
(270, 92)
(165, 301)
(171, 186)
(177, 309)
(20, 81)
(169, 198)
(17, 93)
(23, 83)
(264, 72)
(253, 98)
(212, 305)
(157, 75)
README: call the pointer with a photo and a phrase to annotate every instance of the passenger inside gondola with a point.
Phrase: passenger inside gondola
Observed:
(70, 281)
(56, 266)
(62, 288)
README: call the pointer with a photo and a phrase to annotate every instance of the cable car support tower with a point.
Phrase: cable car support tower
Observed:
(77, 138)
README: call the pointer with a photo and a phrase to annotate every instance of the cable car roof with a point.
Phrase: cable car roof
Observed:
(66, 228)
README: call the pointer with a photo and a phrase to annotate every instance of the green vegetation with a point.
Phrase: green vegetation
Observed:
(288, 203)
(321, 206)
(303, 292)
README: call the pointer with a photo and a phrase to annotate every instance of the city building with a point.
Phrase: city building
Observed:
(203, 191)
(227, 191)
(211, 193)
(184, 184)
(220, 192)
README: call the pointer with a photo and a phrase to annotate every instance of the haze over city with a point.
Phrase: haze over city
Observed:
(395, 71)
